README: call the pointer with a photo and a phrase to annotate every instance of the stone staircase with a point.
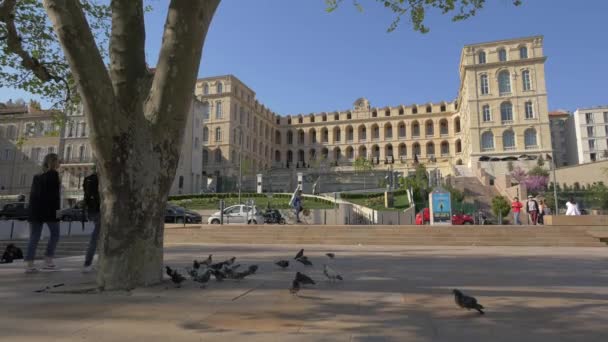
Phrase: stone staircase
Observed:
(387, 235)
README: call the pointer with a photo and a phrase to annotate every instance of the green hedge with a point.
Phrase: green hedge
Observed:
(370, 195)
(244, 196)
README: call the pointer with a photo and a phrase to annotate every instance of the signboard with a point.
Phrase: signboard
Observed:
(441, 207)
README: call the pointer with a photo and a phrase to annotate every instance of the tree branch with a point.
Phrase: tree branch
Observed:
(127, 54)
(88, 69)
(177, 69)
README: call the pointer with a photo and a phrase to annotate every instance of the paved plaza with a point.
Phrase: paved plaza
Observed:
(389, 294)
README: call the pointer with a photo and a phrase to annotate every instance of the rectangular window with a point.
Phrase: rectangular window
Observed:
(592, 145)
(529, 110)
(526, 80)
(606, 117)
(486, 113)
(606, 130)
(589, 118)
(590, 131)
(485, 89)
(218, 110)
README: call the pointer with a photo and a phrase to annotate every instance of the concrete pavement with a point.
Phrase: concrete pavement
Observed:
(389, 294)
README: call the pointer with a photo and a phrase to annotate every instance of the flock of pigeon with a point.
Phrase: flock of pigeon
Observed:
(202, 271)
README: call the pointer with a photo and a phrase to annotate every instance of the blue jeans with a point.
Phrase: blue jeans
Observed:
(88, 259)
(516, 218)
(297, 210)
(35, 232)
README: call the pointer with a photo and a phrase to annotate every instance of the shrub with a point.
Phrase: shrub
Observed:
(500, 206)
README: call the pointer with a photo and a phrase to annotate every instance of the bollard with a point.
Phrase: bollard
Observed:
(69, 228)
(222, 212)
(12, 229)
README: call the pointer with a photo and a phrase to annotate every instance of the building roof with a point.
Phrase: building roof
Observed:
(559, 113)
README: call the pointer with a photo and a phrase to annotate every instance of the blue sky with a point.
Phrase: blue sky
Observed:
(300, 59)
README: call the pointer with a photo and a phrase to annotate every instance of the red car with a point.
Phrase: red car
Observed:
(424, 217)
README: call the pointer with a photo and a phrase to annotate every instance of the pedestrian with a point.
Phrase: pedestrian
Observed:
(532, 209)
(572, 208)
(43, 205)
(297, 205)
(541, 211)
(516, 207)
(92, 205)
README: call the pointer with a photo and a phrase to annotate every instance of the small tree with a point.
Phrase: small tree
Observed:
(540, 161)
(500, 206)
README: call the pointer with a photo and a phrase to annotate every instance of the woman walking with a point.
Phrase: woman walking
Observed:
(43, 205)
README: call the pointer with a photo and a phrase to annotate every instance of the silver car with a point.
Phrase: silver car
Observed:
(238, 214)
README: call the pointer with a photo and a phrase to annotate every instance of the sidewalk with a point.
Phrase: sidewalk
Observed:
(389, 294)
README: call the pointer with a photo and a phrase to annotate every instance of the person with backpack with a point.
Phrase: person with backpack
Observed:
(43, 205)
(90, 184)
(532, 209)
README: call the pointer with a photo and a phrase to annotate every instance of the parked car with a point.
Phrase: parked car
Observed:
(461, 218)
(238, 214)
(14, 211)
(177, 214)
(75, 213)
(423, 217)
(273, 216)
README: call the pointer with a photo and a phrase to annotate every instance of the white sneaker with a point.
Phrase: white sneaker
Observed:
(88, 269)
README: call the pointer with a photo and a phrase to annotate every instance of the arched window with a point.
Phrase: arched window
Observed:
(350, 153)
(289, 137)
(218, 156)
(530, 138)
(83, 130)
(487, 141)
(402, 133)
(374, 114)
(375, 132)
(388, 131)
(336, 117)
(350, 133)
(458, 146)
(415, 110)
(508, 140)
(457, 124)
(484, 85)
(301, 137)
(487, 116)
(445, 149)
(300, 119)
(337, 154)
(2, 132)
(388, 151)
(289, 156)
(312, 117)
(81, 153)
(362, 132)
(525, 79)
(11, 132)
(430, 149)
(324, 117)
(312, 154)
(481, 57)
(206, 111)
(313, 136)
(349, 116)
(415, 129)
(205, 89)
(71, 129)
(277, 138)
(429, 128)
(205, 156)
(402, 151)
(325, 135)
(529, 110)
(506, 112)
(337, 135)
(443, 127)
(523, 52)
(205, 134)
(401, 111)
(324, 153)
(362, 152)
(502, 55)
(504, 82)
(429, 109)
(387, 112)
(218, 134)
(220, 88)
(375, 151)
(68, 153)
(416, 149)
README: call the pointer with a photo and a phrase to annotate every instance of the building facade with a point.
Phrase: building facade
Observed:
(563, 138)
(591, 126)
(500, 113)
(27, 134)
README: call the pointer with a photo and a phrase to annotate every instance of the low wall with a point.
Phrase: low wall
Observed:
(13, 229)
(583, 220)
(593, 172)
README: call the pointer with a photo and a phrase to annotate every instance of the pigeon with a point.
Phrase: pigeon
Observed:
(196, 264)
(295, 287)
(304, 279)
(331, 274)
(219, 275)
(300, 254)
(282, 264)
(467, 302)
(219, 265)
(304, 260)
(176, 278)
(208, 261)
(241, 275)
(201, 278)
(330, 255)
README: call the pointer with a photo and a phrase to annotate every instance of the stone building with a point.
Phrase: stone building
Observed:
(591, 126)
(563, 138)
(500, 114)
(27, 134)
